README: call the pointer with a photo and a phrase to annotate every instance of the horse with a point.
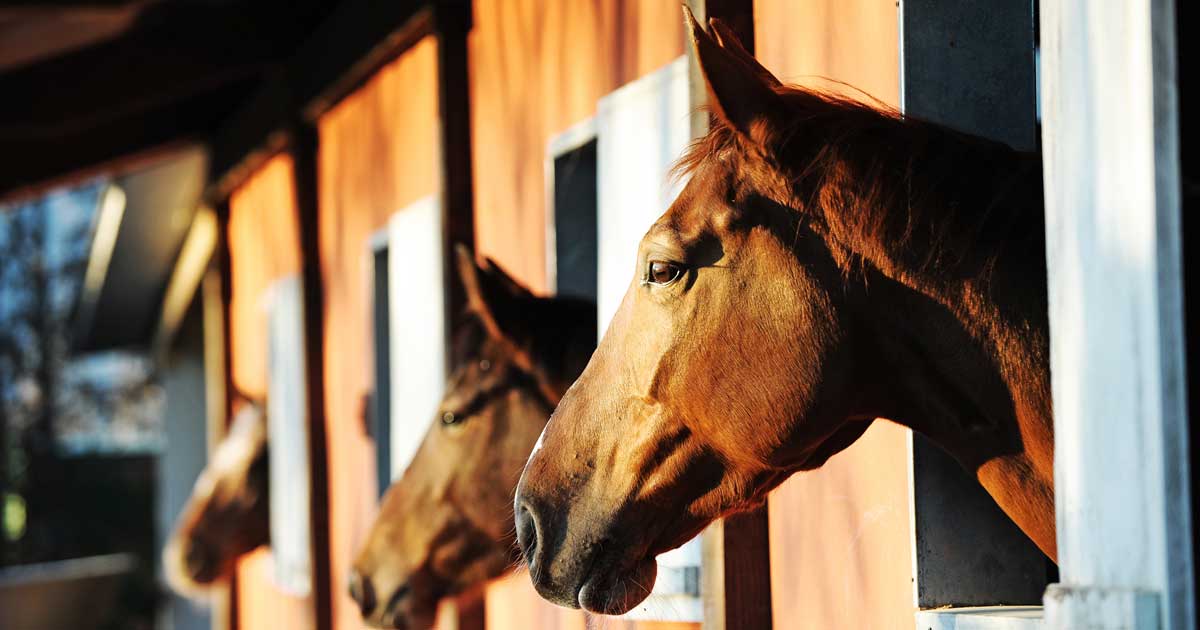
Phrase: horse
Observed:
(445, 526)
(228, 513)
(827, 264)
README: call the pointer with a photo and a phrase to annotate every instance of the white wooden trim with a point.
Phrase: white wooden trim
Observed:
(1110, 134)
(377, 241)
(642, 128)
(416, 310)
(288, 437)
(981, 618)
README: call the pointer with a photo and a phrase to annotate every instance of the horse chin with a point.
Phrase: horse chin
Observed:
(406, 619)
(617, 592)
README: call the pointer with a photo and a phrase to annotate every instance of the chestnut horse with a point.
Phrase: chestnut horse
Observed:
(827, 264)
(446, 525)
(228, 513)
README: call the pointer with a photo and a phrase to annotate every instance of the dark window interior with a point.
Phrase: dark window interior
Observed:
(381, 403)
(971, 66)
(575, 221)
(1190, 178)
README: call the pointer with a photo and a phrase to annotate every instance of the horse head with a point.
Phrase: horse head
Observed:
(825, 265)
(227, 514)
(445, 525)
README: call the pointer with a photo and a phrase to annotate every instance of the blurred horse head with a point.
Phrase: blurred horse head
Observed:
(227, 514)
(446, 525)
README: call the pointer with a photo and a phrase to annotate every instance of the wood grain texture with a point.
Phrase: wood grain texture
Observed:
(538, 67)
(264, 246)
(378, 154)
(840, 539)
(304, 147)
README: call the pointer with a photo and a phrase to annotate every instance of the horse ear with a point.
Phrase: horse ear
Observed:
(728, 40)
(740, 93)
(493, 296)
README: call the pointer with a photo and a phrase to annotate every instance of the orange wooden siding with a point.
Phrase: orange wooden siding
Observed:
(840, 550)
(378, 153)
(264, 246)
(538, 67)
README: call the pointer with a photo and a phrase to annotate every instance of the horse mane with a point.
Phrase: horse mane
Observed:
(917, 200)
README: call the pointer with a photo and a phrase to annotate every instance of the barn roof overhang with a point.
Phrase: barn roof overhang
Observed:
(142, 83)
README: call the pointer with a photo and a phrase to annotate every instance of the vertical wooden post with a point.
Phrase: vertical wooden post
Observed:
(736, 572)
(304, 144)
(219, 367)
(1110, 133)
(452, 23)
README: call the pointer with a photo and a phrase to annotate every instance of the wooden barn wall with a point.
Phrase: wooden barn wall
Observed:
(840, 549)
(537, 68)
(378, 153)
(264, 246)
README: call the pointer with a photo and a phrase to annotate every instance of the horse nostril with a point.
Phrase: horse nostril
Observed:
(363, 592)
(527, 533)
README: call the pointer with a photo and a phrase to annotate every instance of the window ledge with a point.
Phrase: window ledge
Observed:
(981, 618)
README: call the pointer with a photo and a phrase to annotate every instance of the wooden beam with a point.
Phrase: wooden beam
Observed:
(303, 147)
(168, 78)
(37, 164)
(144, 70)
(357, 39)
(453, 23)
(224, 601)
(736, 552)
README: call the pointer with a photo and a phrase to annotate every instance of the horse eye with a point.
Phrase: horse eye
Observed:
(663, 273)
(449, 418)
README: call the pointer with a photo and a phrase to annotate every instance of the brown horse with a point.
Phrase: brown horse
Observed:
(228, 512)
(446, 525)
(827, 264)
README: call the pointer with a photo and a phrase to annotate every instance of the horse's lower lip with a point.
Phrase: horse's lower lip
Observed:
(595, 593)
(393, 620)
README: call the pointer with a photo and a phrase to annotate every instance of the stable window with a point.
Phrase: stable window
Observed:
(379, 406)
(416, 357)
(973, 67)
(572, 266)
(408, 323)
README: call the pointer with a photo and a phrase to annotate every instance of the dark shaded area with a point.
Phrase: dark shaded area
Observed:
(93, 505)
(1189, 144)
(176, 72)
(971, 66)
(575, 240)
(381, 401)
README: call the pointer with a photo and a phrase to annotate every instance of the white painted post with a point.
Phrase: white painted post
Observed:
(1110, 141)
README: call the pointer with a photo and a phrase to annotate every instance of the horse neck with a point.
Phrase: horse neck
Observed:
(963, 335)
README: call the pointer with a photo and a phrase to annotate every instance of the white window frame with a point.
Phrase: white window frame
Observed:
(288, 437)
(1110, 129)
(417, 325)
